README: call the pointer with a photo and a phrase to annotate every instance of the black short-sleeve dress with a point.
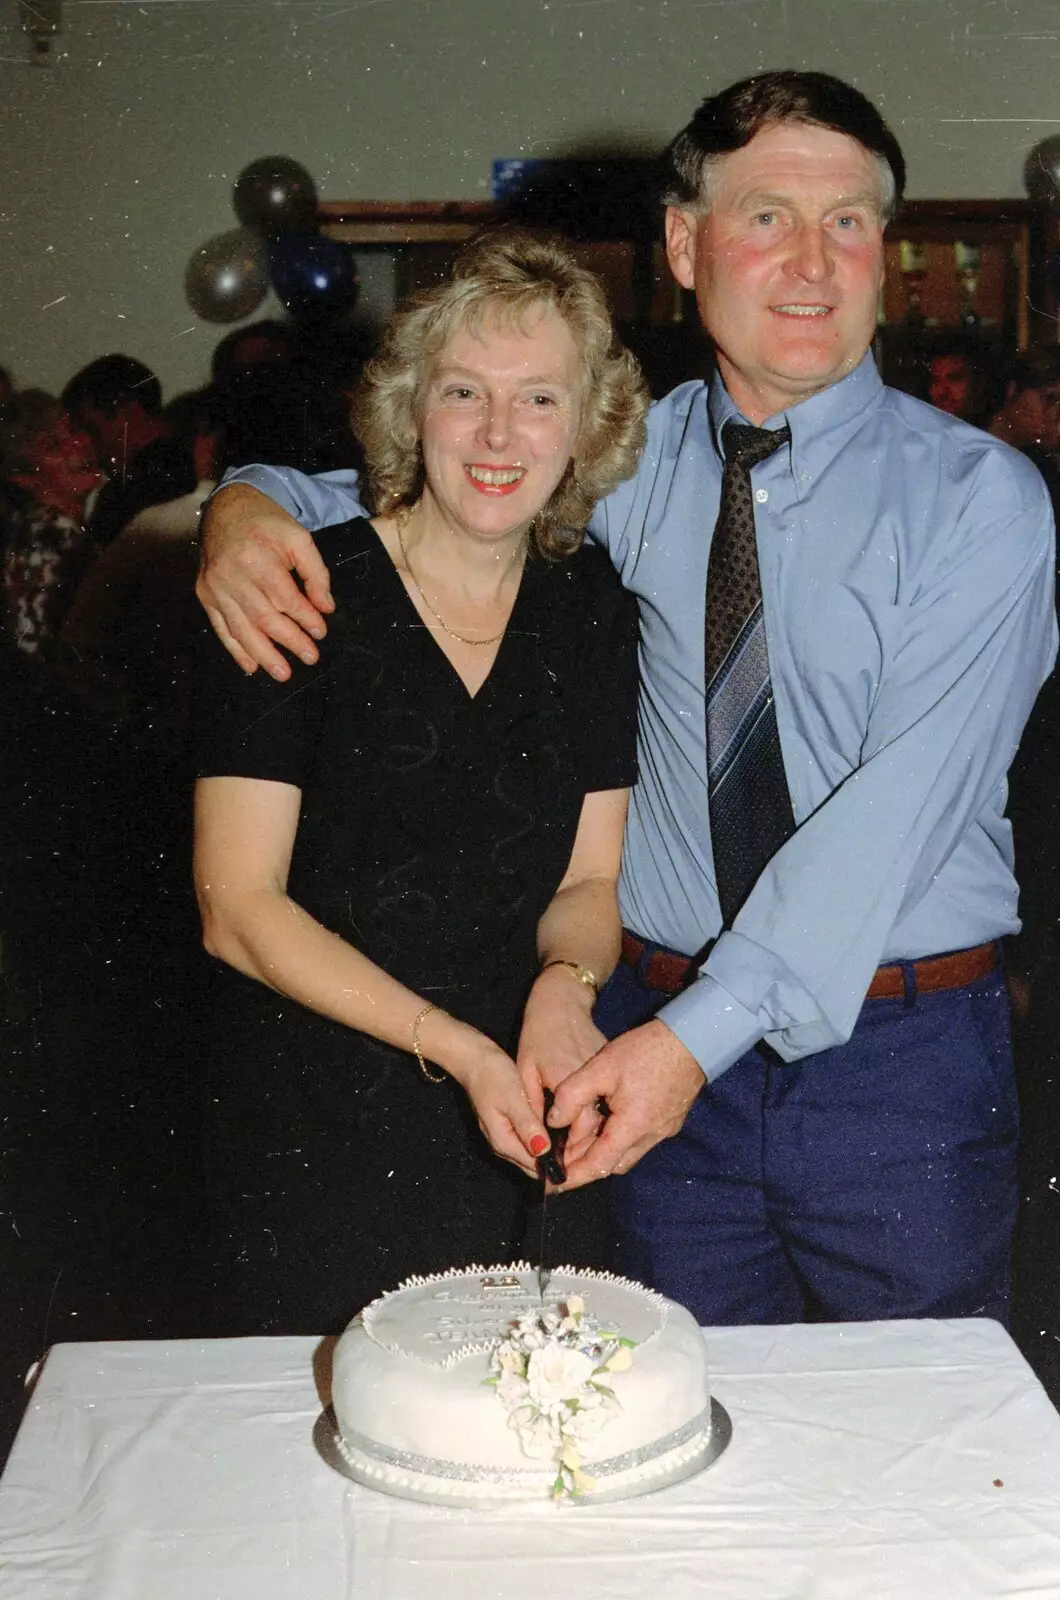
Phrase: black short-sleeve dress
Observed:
(435, 827)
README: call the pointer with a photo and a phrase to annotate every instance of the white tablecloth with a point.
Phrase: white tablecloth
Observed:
(886, 1461)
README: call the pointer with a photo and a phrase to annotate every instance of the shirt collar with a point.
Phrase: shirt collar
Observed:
(820, 426)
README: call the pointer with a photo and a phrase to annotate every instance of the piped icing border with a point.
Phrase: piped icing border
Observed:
(657, 1301)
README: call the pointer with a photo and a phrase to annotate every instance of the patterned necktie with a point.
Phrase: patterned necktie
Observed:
(750, 807)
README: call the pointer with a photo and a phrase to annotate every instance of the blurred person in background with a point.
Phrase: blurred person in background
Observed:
(126, 640)
(1029, 415)
(48, 982)
(325, 361)
(48, 469)
(957, 382)
(266, 343)
(130, 637)
(117, 400)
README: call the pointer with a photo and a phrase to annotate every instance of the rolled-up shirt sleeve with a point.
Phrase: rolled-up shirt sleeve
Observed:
(977, 640)
(316, 502)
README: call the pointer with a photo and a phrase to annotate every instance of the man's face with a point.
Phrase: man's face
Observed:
(104, 428)
(787, 263)
(950, 385)
(1034, 416)
(119, 435)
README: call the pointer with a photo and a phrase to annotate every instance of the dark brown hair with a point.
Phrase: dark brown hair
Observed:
(727, 121)
(110, 382)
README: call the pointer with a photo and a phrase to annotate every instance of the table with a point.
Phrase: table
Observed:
(873, 1461)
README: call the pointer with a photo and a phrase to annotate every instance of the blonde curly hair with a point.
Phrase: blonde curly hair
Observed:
(506, 272)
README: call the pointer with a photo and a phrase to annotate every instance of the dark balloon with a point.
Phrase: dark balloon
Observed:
(1041, 170)
(276, 195)
(312, 275)
(227, 277)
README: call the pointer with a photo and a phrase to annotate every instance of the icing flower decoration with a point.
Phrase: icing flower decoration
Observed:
(553, 1377)
(554, 1372)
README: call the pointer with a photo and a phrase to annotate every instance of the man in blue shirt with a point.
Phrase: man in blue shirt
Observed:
(854, 1153)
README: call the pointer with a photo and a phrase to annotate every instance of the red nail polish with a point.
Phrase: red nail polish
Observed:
(538, 1144)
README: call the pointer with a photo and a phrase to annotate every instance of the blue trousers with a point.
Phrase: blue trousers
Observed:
(873, 1180)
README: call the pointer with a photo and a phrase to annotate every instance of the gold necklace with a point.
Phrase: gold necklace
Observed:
(401, 522)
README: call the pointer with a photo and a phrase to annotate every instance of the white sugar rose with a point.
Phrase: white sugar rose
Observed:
(512, 1389)
(586, 1422)
(539, 1437)
(555, 1374)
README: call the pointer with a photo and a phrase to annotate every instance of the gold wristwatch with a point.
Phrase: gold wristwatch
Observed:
(583, 974)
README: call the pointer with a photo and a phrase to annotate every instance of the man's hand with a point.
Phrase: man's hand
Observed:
(649, 1081)
(249, 550)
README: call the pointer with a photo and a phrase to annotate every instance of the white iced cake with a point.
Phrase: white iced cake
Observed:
(466, 1388)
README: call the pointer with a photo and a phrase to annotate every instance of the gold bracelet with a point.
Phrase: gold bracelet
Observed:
(582, 974)
(431, 1077)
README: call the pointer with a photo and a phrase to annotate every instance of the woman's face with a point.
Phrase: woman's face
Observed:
(500, 422)
(62, 469)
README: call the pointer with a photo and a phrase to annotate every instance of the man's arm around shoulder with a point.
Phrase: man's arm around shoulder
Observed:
(253, 538)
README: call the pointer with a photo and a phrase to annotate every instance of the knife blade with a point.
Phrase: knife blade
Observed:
(550, 1169)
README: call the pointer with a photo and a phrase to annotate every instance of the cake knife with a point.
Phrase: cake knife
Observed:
(550, 1169)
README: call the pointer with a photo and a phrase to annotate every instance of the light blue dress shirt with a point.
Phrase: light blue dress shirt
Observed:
(908, 583)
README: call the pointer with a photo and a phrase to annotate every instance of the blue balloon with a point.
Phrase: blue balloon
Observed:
(313, 275)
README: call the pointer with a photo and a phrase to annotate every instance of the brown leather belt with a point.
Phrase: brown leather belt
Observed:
(671, 973)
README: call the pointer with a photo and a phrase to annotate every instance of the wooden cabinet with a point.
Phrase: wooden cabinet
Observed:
(975, 263)
(978, 273)
(425, 234)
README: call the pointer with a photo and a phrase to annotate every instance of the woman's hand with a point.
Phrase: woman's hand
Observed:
(495, 1087)
(558, 1036)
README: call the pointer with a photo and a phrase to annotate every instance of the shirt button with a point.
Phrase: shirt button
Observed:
(761, 495)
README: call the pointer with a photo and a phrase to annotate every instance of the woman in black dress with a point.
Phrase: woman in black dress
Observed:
(415, 843)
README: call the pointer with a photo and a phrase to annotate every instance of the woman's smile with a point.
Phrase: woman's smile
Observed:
(495, 480)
